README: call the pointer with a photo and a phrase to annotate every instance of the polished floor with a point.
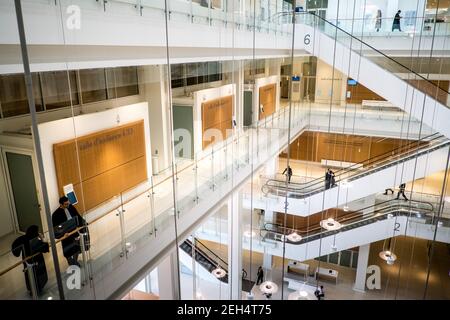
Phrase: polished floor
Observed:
(406, 279)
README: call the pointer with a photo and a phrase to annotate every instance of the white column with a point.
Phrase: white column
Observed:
(363, 258)
(168, 278)
(152, 88)
(267, 261)
(271, 167)
(238, 73)
(268, 216)
(235, 245)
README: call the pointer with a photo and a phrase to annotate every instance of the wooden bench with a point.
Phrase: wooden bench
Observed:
(328, 274)
(298, 268)
(378, 105)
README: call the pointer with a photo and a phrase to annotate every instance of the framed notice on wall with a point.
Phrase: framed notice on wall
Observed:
(70, 193)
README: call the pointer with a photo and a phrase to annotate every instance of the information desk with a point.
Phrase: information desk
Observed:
(298, 268)
(325, 273)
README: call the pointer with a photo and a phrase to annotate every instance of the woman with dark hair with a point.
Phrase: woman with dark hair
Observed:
(31, 245)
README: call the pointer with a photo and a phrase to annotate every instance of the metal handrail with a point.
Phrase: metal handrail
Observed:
(295, 189)
(393, 209)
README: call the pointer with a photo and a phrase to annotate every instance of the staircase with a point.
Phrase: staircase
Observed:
(210, 261)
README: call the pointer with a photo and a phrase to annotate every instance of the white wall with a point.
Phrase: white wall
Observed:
(122, 25)
(328, 84)
(70, 128)
(206, 95)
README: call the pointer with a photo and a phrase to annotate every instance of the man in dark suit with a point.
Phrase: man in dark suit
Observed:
(71, 244)
(28, 245)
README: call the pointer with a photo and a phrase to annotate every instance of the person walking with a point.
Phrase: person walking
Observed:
(259, 276)
(288, 171)
(396, 22)
(320, 293)
(328, 179)
(378, 20)
(401, 191)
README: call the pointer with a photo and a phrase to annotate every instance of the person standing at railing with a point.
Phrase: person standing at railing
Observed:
(288, 171)
(27, 245)
(70, 244)
(378, 20)
(328, 179)
(396, 22)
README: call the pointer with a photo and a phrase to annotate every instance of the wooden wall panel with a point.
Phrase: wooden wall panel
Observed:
(312, 221)
(104, 163)
(315, 146)
(359, 93)
(217, 114)
(267, 98)
(432, 90)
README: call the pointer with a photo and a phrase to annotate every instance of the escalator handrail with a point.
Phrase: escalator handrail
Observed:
(372, 159)
(225, 266)
(390, 209)
(320, 181)
(201, 252)
(376, 50)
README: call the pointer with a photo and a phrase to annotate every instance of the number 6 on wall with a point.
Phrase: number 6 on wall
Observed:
(307, 39)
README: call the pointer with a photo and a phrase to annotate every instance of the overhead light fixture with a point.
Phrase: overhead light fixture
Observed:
(219, 273)
(268, 287)
(330, 224)
(249, 234)
(294, 237)
(388, 256)
(299, 295)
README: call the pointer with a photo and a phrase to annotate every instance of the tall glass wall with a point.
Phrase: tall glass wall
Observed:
(245, 149)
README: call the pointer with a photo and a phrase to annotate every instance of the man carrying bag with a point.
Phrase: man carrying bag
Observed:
(65, 220)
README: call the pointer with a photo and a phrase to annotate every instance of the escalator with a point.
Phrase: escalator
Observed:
(354, 219)
(211, 261)
(410, 150)
(424, 99)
